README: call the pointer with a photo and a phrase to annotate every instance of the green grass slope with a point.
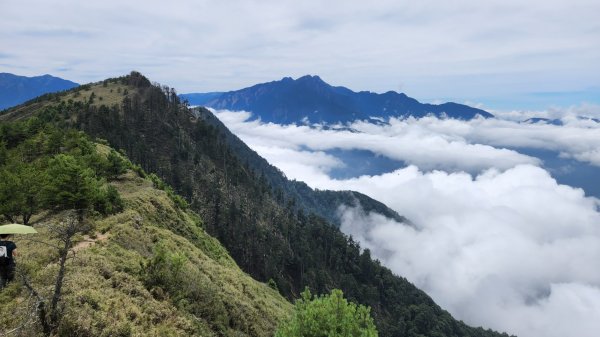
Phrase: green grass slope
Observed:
(150, 270)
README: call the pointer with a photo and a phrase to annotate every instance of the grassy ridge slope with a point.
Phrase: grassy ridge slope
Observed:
(150, 270)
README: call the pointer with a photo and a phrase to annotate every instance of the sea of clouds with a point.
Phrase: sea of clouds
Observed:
(497, 241)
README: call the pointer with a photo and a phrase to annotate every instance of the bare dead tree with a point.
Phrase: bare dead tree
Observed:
(65, 233)
(39, 307)
(49, 312)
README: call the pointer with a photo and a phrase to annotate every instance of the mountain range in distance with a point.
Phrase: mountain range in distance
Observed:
(307, 99)
(15, 89)
(311, 100)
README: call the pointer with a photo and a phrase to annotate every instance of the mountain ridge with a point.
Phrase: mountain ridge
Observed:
(15, 89)
(310, 99)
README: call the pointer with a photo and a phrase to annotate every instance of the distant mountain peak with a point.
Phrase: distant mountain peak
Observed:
(315, 78)
(310, 99)
(15, 89)
(306, 80)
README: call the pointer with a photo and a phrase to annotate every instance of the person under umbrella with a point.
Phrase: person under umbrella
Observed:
(7, 260)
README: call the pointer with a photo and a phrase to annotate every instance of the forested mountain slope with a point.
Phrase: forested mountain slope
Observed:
(260, 224)
(322, 203)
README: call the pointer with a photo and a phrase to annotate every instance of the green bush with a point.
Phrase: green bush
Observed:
(139, 170)
(329, 315)
(109, 201)
(179, 201)
(116, 164)
(171, 272)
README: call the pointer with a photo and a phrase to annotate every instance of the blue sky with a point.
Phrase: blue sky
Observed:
(503, 54)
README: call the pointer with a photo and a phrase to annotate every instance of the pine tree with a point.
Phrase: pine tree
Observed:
(70, 185)
(20, 191)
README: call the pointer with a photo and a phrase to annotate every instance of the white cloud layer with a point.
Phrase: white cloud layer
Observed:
(403, 140)
(513, 251)
(433, 143)
(505, 247)
(584, 109)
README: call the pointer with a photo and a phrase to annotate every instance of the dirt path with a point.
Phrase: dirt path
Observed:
(88, 241)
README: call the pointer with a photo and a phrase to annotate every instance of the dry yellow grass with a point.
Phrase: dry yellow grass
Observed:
(112, 93)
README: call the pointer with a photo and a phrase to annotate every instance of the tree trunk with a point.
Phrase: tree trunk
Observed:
(54, 317)
(41, 308)
(26, 218)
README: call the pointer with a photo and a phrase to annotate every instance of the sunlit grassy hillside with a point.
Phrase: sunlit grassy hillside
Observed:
(150, 270)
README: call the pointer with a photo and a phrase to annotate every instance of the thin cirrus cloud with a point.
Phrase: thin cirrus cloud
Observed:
(504, 246)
